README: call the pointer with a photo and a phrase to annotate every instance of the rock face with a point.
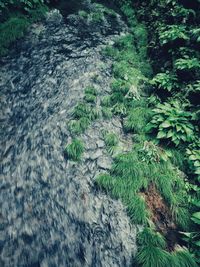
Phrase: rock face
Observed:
(51, 212)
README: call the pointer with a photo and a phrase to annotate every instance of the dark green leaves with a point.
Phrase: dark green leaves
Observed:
(171, 122)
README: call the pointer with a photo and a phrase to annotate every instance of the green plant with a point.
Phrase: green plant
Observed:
(194, 160)
(120, 86)
(111, 141)
(106, 101)
(119, 109)
(106, 113)
(151, 250)
(171, 122)
(166, 81)
(91, 90)
(96, 15)
(193, 238)
(182, 258)
(83, 110)
(120, 188)
(79, 126)
(14, 28)
(187, 63)
(151, 152)
(137, 119)
(172, 33)
(16, 16)
(195, 33)
(90, 94)
(74, 150)
(90, 98)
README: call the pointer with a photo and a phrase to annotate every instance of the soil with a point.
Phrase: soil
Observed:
(161, 216)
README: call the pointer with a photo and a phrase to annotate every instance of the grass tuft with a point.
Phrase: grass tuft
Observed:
(90, 95)
(137, 119)
(106, 113)
(111, 141)
(74, 150)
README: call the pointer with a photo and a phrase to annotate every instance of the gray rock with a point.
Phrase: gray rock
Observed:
(52, 214)
(100, 143)
(96, 154)
(104, 163)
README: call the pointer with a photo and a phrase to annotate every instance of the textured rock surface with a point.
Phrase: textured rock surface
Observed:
(51, 213)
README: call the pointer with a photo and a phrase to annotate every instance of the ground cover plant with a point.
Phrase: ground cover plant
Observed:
(84, 112)
(16, 16)
(158, 180)
(74, 150)
(170, 119)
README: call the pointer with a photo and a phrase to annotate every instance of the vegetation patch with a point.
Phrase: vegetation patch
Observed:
(16, 16)
(111, 141)
(84, 112)
(161, 216)
(147, 179)
(74, 150)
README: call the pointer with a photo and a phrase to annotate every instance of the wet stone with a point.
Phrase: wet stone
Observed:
(100, 144)
(96, 154)
(104, 163)
(49, 205)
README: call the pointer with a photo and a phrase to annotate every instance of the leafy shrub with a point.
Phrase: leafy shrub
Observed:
(166, 81)
(16, 16)
(151, 152)
(12, 29)
(171, 122)
(172, 33)
(74, 150)
(193, 92)
(187, 63)
(194, 160)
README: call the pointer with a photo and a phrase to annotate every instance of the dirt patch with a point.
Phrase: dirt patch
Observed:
(161, 216)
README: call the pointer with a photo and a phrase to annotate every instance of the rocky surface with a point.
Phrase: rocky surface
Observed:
(51, 214)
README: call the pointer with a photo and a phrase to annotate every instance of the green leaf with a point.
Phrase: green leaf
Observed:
(161, 135)
(197, 243)
(196, 217)
(165, 124)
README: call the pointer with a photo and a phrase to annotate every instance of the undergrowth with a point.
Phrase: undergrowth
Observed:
(74, 150)
(150, 161)
(111, 141)
(16, 17)
(84, 112)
